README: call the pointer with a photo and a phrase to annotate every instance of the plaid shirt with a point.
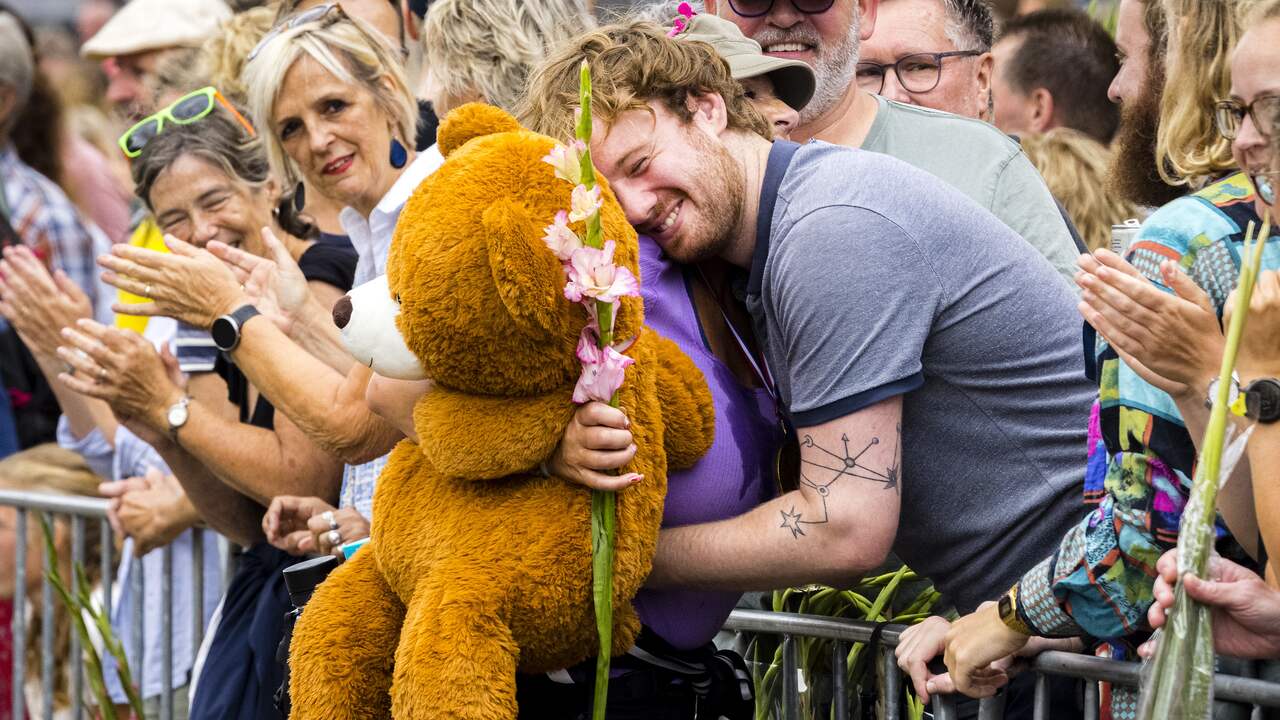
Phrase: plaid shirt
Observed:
(48, 222)
(1141, 458)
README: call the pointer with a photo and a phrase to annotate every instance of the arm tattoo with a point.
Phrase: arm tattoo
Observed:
(843, 464)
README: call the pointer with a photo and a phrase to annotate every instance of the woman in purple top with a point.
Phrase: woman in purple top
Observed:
(734, 476)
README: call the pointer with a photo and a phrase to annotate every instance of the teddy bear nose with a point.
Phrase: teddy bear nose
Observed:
(342, 311)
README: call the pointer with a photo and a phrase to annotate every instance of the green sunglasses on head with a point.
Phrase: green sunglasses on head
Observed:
(183, 111)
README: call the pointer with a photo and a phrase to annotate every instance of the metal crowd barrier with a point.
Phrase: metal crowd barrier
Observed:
(787, 625)
(82, 511)
(843, 633)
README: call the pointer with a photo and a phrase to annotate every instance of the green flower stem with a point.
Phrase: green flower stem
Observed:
(1179, 680)
(603, 502)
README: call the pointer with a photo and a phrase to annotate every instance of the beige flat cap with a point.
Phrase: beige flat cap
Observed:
(143, 25)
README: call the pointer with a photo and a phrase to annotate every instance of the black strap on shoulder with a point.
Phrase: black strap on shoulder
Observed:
(780, 156)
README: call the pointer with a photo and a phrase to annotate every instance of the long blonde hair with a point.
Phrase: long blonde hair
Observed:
(1201, 36)
(1074, 166)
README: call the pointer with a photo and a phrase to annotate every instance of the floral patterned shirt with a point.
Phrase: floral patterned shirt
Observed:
(1141, 458)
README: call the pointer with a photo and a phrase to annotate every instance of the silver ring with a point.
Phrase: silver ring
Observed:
(146, 292)
(335, 538)
(327, 515)
(102, 374)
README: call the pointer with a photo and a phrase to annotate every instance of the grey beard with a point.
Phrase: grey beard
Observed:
(834, 70)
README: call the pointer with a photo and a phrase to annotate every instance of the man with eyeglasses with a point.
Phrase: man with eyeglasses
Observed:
(968, 154)
(931, 53)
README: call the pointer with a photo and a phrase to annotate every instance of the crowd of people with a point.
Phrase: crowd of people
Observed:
(884, 230)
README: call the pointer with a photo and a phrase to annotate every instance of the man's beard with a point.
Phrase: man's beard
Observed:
(720, 177)
(834, 66)
(1134, 173)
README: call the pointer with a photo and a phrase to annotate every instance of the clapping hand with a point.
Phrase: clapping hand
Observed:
(188, 283)
(38, 304)
(275, 285)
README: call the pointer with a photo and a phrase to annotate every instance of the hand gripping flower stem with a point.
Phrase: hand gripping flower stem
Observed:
(1178, 681)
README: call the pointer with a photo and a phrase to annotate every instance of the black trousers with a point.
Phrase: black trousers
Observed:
(637, 695)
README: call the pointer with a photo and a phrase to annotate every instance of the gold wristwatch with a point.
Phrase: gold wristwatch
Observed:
(1008, 608)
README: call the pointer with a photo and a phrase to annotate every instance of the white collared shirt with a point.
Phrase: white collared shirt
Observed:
(371, 237)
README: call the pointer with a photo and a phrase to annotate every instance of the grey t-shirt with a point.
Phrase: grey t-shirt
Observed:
(876, 280)
(983, 163)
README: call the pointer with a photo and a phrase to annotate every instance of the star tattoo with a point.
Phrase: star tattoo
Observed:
(791, 521)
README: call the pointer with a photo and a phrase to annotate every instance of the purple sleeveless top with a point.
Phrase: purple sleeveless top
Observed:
(731, 479)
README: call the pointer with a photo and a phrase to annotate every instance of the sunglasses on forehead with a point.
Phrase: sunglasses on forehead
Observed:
(314, 14)
(185, 110)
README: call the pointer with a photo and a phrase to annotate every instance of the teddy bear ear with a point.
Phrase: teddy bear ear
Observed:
(471, 121)
(529, 278)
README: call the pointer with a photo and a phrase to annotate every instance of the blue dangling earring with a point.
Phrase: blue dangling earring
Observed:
(1266, 189)
(299, 197)
(399, 156)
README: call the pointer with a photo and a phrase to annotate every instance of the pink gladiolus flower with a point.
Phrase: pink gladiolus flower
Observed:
(602, 371)
(567, 160)
(592, 274)
(584, 203)
(561, 238)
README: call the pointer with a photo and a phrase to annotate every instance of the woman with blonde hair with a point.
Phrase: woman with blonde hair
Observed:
(1201, 36)
(484, 50)
(1074, 166)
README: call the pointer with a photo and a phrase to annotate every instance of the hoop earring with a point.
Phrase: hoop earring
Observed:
(300, 197)
(399, 156)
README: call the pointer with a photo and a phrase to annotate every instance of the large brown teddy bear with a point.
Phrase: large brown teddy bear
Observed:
(479, 566)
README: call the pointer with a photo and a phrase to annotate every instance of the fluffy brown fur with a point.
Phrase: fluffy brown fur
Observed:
(479, 567)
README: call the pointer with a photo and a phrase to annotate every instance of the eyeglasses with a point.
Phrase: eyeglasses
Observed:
(918, 73)
(316, 13)
(1229, 114)
(760, 8)
(185, 110)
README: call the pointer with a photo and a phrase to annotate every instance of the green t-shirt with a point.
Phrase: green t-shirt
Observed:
(984, 164)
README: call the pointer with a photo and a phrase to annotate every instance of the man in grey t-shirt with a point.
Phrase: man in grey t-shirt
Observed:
(969, 155)
(930, 359)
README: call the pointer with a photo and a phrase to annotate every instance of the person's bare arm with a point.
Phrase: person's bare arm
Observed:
(1264, 452)
(258, 462)
(314, 331)
(220, 506)
(302, 310)
(329, 409)
(394, 400)
(839, 524)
